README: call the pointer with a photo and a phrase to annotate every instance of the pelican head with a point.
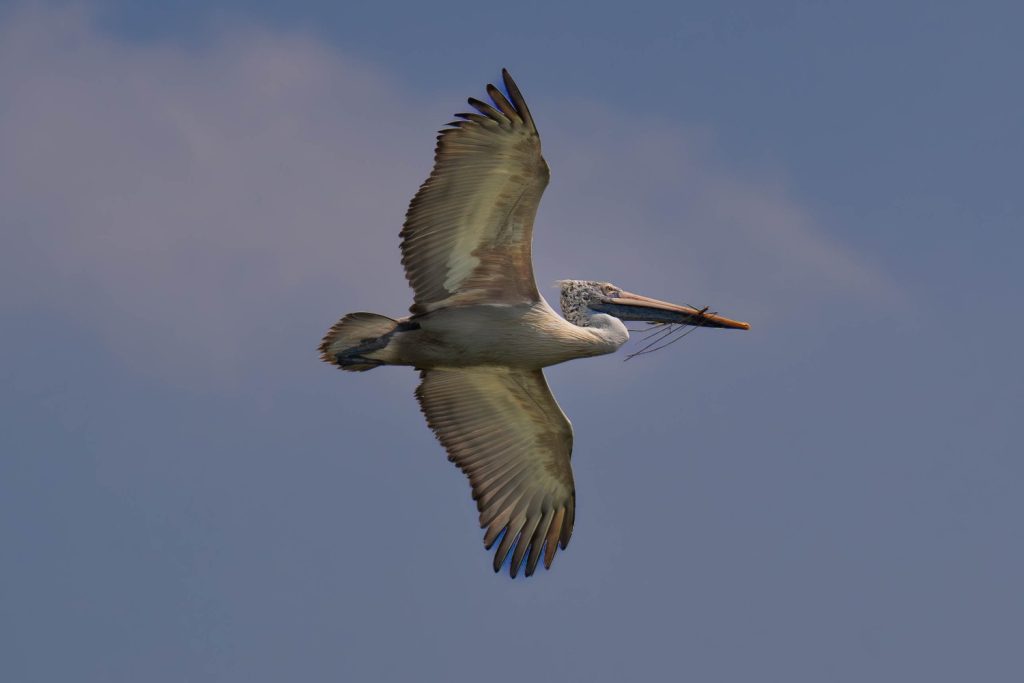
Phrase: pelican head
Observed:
(581, 299)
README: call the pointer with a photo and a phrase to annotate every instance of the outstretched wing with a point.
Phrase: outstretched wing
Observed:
(503, 428)
(469, 229)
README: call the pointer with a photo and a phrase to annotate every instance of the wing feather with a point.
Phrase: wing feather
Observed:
(468, 232)
(504, 430)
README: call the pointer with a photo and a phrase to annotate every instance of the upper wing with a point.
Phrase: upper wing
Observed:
(468, 230)
(503, 428)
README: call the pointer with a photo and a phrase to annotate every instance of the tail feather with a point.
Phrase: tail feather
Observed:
(350, 339)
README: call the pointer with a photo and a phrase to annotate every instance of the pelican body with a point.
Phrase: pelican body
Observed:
(480, 333)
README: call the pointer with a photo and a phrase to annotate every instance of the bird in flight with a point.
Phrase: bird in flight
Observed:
(480, 333)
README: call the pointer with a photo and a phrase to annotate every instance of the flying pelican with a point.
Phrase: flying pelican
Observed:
(480, 332)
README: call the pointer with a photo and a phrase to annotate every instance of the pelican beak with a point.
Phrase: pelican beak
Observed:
(627, 306)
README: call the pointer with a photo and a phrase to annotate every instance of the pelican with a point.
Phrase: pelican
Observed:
(480, 333)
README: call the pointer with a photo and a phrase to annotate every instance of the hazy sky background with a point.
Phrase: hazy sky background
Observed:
(192, 192)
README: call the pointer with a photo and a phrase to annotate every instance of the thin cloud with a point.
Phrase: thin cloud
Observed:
(173, 199)
(176, 201)
(649, 199)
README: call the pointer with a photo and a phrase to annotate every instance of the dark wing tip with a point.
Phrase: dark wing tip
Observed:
(488, 111)
(502, 103)
(508, 108)
(517, 98)
(510, 83)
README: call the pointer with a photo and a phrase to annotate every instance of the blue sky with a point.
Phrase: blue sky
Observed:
(193, 192)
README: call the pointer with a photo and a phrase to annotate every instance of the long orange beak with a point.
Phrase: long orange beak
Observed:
(628, 306)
